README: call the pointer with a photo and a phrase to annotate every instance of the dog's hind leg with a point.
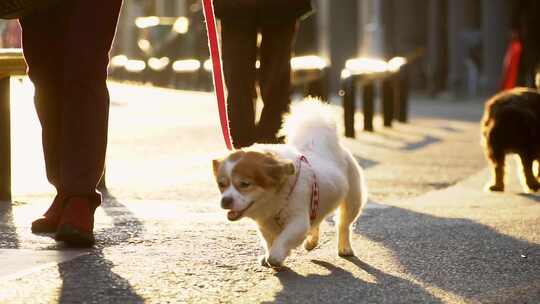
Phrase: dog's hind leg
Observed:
(348, 212)
(498, 161)
(530, 179)
(349, 209)
(312, 239)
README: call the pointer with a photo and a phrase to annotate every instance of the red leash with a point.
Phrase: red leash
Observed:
(217, 72)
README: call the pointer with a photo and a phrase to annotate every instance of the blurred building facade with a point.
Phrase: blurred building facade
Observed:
(454, 45)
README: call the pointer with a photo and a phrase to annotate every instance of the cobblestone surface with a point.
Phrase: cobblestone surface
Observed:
(429, 234)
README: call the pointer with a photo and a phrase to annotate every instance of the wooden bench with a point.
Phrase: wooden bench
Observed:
(11, 64)
(365, 72)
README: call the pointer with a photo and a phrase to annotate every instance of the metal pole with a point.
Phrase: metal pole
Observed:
(456, 50)
(180, 8)
(372, 31)
(323, 28)
(436, 45)
(342, 38)
(494, 41)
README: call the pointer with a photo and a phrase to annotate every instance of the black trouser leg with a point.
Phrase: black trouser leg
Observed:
(43, 42)
(275, 76)
(239, 44)
(71, 94)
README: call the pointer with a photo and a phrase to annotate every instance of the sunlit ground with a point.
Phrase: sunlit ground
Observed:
(150, 140)
(160, 146)
(161, 142)
(28, 168)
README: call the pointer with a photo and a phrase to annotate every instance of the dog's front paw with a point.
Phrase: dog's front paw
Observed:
(269, 262)
(274, 262)
(496, 188)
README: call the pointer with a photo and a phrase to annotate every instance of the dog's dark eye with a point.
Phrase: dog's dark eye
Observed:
(222, 185)
(244, 185)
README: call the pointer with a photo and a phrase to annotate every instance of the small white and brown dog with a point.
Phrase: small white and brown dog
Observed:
(289, 189)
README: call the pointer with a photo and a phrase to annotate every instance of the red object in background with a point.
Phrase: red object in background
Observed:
(511, 64)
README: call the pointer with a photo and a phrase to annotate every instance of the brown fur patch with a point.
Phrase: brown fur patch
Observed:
(236, 155)
(263, 169)
(511, 123)
(217, 163)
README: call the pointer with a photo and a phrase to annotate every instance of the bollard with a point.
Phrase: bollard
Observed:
(368, 94)
(349, 105)
(387, 99)
(403, 79)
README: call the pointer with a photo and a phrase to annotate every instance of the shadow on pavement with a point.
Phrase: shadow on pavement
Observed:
(9, 239)
(449, 129)
(364, 162)
(90, 277)
(531, 196)
(456, 255)
(341, 286)
(467, 111)
(425, 141)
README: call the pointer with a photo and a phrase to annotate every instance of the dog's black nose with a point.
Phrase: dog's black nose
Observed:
(226, 202)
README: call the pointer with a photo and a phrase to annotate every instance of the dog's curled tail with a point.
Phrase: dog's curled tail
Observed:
(311, 125)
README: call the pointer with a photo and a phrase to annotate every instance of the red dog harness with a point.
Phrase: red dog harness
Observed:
(314, 207)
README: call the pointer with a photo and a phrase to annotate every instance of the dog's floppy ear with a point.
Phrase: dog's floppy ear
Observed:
(281, 170)
(216, 164)
(284, 166)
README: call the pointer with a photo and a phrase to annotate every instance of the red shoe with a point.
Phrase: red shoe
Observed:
(76, 227)
(49, 221)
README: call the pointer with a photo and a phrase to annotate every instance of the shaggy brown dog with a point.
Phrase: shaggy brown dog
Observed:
(511, 124)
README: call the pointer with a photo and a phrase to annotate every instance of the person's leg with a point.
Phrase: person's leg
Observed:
(84, 116)
(43, 50)
(85, 109)
(239, 45)
(43, 35)
(275, 77)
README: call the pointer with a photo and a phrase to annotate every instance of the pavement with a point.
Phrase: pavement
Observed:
(429, 234)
